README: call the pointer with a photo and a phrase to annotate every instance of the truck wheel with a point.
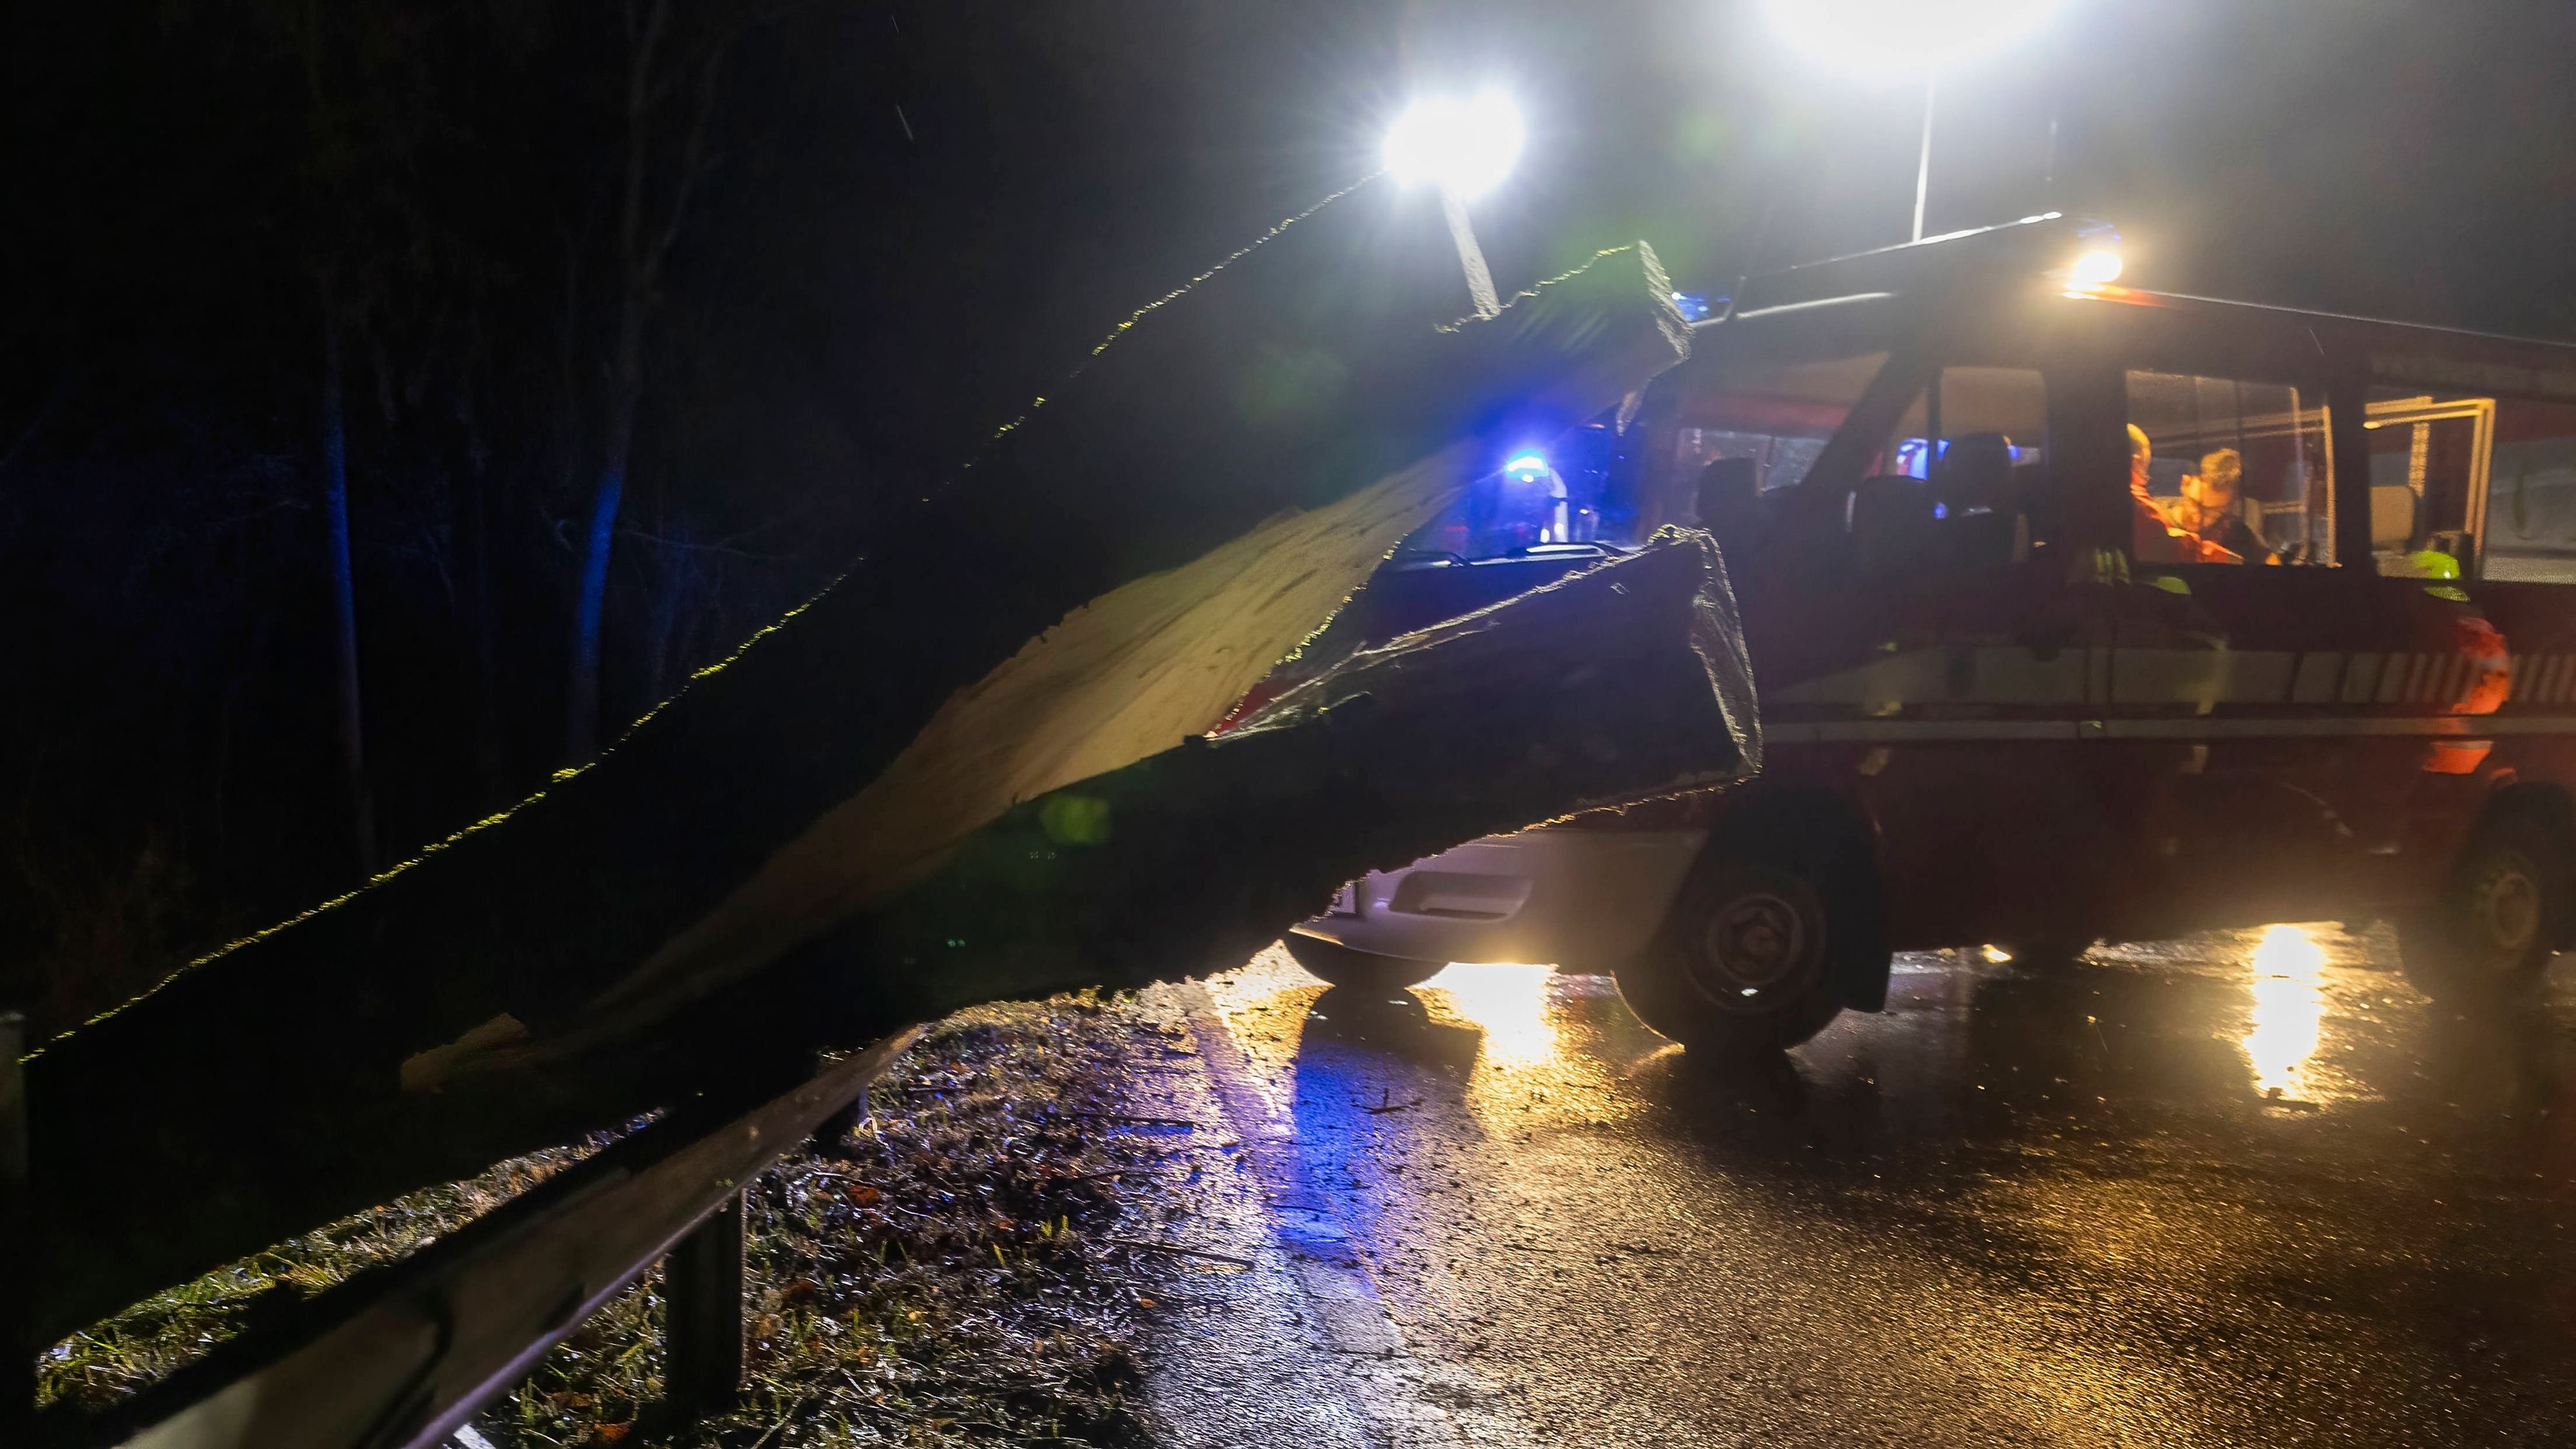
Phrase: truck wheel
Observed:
(2488, 938)
(1741, 963)
(1340, 965)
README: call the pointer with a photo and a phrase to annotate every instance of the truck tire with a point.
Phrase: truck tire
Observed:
(1744, 962)
(1340, 965)
(2487, 940)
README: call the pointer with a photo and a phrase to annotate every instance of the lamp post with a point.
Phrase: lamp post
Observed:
(1923, 163)
(1908, 38)
(1465, 146)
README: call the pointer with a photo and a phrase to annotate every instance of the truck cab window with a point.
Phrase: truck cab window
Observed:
(1743, 429)
(1565, 496)
(2236, 470)
(2531, 503)
(2010, 403)
(1771, 418)
(2430, 452)
(1959, 481)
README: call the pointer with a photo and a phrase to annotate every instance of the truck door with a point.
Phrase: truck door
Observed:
(1935, 664)
(2287, 708)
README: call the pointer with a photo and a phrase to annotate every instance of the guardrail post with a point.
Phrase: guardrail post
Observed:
(829, 1138)
(702, 1317)
(17, 1252)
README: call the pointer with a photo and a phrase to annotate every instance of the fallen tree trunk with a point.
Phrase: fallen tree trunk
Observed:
(1620, 683)
(1625, 682)
(532, 979)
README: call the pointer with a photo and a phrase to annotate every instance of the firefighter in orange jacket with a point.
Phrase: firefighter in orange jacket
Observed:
(2153, 538)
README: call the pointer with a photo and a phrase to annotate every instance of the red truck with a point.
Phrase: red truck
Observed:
(2017, 687)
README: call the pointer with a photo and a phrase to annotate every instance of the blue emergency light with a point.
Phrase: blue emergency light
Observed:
(1527, 466)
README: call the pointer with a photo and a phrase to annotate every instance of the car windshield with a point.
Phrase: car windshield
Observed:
(1555, 499)
(1773, 416)
(1602, 487)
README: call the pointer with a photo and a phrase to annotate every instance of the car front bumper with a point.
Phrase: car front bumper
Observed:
(1581, 898)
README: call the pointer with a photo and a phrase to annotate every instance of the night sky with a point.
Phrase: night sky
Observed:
(908, 221)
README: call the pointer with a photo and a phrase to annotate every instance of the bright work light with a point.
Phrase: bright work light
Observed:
(1903, 39)
(1465, 145)
(2093, 269)
(1908, 40)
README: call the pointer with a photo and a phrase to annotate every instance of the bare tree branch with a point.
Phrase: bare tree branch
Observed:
(693, 159)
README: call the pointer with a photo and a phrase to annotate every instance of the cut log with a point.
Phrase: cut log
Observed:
(1624, 682)
(518, 985)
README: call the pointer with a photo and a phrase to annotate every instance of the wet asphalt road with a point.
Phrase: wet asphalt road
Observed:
(2245, 1190)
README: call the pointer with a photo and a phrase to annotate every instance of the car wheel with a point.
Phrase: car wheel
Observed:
(2489, 936)
(1341, 965)
(1741, 962)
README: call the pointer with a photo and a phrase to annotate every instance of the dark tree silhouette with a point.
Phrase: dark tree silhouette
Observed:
(664, 71)
(344, 591)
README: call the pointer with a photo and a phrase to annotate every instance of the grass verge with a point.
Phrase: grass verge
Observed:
(948, 1274)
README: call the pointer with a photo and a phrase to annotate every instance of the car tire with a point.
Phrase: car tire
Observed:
(2487, 939)
(1743, 961)
(1340, 965)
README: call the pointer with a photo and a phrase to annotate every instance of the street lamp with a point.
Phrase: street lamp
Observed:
(1465, 146)
(1906, 37)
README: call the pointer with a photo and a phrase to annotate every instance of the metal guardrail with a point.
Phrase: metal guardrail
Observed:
(401, 1357)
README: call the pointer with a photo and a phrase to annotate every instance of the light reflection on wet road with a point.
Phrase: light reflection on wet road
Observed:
(2247, 1189)
(2289, 1010)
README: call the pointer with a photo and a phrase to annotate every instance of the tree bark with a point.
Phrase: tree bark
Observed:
(1619, 684)
(590, 590)
(643, 246)
(480, 605)
(625, 395)
(521, 983)
(344, 591)
(667, 598)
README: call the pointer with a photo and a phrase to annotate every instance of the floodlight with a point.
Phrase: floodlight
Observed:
(1908, 40)
(2097, 268)
(1465, 145)
(1903, 40)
